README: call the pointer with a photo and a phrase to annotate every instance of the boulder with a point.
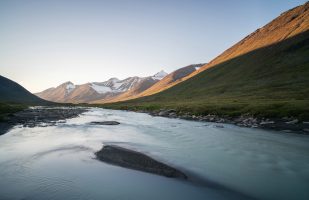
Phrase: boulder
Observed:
(105, 123)
(218, 126)
(135, 160)
(292, 121)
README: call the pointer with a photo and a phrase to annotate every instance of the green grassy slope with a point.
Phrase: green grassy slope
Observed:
(272, 81)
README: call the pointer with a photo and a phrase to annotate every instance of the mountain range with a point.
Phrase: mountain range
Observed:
(96, 91)
(114, 89)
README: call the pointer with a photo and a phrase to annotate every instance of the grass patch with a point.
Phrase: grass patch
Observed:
(6, 109)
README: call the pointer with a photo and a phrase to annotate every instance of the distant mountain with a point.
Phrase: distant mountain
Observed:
(100, 91)
(266, 73)
(166, 81)
(172, 79)
(160, 75)
(12, 92)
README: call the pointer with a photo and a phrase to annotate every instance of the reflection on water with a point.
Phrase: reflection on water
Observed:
(58, 162)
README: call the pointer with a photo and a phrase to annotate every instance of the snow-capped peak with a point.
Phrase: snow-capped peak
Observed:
(160, 75)
(113, 79)
(69, 87)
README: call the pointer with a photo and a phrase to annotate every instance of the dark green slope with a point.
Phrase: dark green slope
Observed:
(269, 81)
(13, 98)
(12, 92)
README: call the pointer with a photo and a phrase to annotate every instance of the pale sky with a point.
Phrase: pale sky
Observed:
(45, 43)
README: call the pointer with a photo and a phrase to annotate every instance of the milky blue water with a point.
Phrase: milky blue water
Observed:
(58, 162)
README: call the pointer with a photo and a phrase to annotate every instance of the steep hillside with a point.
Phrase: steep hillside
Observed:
(288, 24)
(12, 92)
(267, 74)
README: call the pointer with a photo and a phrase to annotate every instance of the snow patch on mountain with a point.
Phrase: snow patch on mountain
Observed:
(70, 87)
(160, 75)
(114, 85)
(101, 89)
(117, 85)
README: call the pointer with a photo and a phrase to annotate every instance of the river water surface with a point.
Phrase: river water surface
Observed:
(58, 162)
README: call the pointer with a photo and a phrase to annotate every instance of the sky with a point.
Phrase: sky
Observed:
(44, 43)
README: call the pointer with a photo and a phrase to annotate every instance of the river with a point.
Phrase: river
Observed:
(58, 162)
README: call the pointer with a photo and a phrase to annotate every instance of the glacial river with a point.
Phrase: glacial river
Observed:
(58, 162)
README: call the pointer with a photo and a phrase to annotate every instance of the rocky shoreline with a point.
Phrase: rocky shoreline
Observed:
(40, 116)
(287, 124)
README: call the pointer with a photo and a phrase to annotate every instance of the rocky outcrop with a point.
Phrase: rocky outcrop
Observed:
(135, 160)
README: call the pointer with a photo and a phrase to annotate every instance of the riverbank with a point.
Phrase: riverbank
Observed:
(39, 116)
(287, 124)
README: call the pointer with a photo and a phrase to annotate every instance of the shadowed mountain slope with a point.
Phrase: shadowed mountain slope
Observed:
(12, 92)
